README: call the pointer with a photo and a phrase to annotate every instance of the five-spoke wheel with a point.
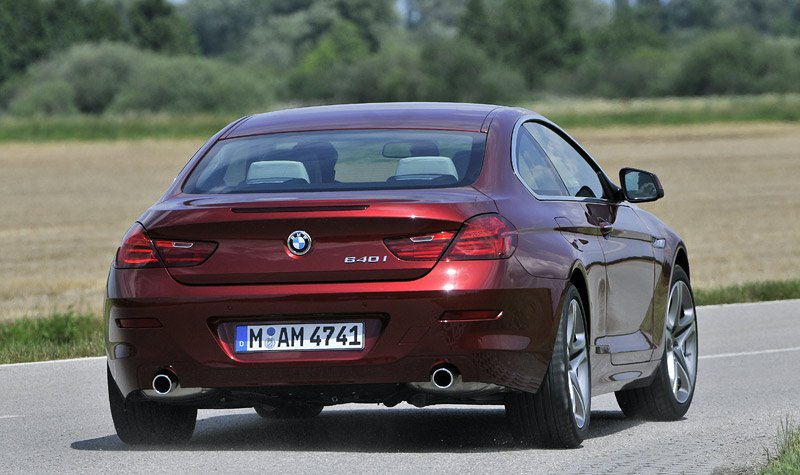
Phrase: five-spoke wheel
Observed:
(681, 342)
(578, 363)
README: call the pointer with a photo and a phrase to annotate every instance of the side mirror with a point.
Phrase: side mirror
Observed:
(639, 186)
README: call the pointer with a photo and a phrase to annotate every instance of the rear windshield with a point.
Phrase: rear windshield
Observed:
(339, 160)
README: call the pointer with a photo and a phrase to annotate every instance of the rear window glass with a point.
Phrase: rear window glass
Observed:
(339, 160)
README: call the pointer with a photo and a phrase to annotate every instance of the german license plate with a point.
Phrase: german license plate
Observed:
(299, 337)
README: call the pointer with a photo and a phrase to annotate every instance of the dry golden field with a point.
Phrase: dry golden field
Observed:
(731, 191)
(65, 207)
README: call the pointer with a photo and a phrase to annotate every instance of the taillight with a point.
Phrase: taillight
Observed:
(427, 247)
(184, 253)
(488, 236)
(138, 251)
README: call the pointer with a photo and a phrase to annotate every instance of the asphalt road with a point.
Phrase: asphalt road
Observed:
(54, 418)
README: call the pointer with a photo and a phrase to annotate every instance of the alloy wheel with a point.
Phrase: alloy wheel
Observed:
(681, 341)
(578, 363)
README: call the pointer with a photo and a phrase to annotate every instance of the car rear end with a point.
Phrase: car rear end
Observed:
(328, 266)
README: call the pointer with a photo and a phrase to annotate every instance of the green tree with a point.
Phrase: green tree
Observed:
(435, 15)
(66, 21)
(433, 69)
(45, 98)
(119, 78)
(103, 22)
(371, 17)
(651, 13)
(339, 48)
(738, 62)
(32, 29)
(590, 15)
(473, 22)
(629, 30)
(23, 35)
(536, 36)
(155, 25)
(283, 40)
(777, 17)
(395, 73)
(690, 14)
(222, 27)
(458, 70)
(230, 27)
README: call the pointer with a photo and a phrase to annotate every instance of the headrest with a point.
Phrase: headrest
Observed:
(426, 166)
(277, 169)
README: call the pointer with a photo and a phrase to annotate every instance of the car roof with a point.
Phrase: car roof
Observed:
(409, 115)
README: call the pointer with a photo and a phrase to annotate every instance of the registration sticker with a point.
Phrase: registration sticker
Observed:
(299, 337)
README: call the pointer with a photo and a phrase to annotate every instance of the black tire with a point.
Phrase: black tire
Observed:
(292, 411)
(657, 401)
(149, 423)
(546, 418)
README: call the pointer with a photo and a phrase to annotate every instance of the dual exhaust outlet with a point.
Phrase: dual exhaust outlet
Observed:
(442, 377)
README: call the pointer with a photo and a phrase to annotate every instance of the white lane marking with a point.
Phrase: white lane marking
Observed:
(749, 353)
(748, 304)
(10, 417)
(71, 360)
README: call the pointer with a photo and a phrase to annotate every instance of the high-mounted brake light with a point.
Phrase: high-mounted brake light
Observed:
(428, 247)
(487, 236)
(138, 251)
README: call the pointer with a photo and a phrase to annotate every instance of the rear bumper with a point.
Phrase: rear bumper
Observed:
(408, 339)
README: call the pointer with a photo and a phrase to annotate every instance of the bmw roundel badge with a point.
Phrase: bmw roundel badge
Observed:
(299, 243)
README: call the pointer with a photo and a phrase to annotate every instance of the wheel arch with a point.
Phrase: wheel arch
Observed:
(579, 279)
(682, 259)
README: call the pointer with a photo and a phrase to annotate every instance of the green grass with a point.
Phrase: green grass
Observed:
(63, 335)
(83, 127)
(571, 112)
(751, 292)
(787, 458)
(671, 111)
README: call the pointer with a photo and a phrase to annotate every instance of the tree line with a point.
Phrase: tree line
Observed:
(99, 56)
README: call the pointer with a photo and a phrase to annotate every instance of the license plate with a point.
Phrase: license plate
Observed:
(299, 337)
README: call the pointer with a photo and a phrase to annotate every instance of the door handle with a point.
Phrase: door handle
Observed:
(605, 227)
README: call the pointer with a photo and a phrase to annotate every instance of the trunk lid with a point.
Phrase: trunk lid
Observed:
(347, 231)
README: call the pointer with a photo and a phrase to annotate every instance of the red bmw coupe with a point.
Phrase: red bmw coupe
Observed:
(388, 253)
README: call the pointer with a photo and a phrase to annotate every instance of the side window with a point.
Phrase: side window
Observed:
(535, 169)
(578, 175)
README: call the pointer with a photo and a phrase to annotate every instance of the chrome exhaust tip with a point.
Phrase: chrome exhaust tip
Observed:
(164, 383)
(443, 377)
